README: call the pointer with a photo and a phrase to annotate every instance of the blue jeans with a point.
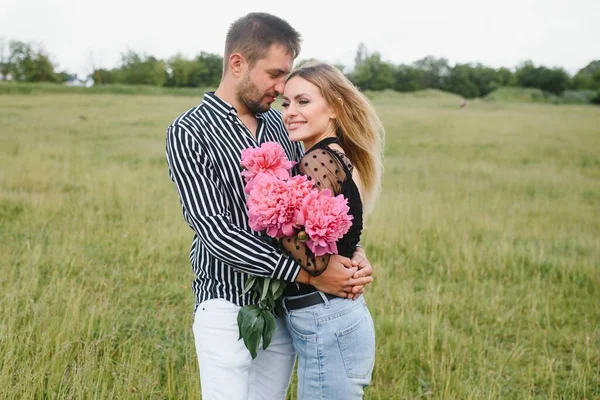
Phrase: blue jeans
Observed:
(335, 343)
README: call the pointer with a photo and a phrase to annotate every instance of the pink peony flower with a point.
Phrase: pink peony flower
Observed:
(325, 219)
(274, 203)
(269, 158)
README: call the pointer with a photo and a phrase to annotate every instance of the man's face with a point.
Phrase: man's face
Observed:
(265, 80)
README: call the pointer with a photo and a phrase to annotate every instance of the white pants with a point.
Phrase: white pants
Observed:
(227, 371)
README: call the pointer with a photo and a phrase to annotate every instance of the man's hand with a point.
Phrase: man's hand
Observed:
(338, 278)
(364, 269)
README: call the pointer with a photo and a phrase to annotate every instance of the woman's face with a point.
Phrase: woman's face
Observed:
(306, 114)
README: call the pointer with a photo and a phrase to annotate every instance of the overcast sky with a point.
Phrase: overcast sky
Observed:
(81, 33)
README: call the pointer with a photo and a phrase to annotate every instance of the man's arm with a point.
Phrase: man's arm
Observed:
(205, 210)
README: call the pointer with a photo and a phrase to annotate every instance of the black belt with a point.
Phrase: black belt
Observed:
(306, 301)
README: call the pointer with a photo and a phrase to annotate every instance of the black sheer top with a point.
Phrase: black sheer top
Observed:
(329, 169)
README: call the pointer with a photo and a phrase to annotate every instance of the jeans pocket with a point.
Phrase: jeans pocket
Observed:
(302, 326)
(357, 345)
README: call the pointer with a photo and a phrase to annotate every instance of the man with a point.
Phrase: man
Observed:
(203, 149)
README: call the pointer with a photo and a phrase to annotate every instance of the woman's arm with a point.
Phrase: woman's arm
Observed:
(324, 169)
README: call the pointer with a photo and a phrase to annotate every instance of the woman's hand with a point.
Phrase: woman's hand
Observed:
(364, 269)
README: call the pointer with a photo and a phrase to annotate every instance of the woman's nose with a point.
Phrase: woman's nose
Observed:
(289, 111)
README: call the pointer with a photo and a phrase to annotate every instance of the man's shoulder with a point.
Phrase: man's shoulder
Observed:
(192, 121)
(188, 117)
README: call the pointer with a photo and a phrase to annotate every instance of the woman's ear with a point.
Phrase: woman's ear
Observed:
(333, 113)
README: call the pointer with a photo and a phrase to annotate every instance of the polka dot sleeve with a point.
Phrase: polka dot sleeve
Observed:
(325, 170)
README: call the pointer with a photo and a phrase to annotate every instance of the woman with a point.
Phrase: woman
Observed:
(333, 337)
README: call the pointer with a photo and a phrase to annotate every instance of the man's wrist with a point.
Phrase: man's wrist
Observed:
(303, 277)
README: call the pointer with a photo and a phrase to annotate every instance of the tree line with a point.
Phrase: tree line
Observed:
(28, 62)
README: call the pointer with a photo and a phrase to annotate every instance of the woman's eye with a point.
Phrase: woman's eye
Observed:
(285, 105)
(303, 101)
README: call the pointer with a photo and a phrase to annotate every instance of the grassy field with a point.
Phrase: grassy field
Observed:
(486, 244)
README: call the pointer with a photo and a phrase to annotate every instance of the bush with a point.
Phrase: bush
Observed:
(529, 95)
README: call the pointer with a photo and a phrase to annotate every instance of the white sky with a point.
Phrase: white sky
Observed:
(563, 33)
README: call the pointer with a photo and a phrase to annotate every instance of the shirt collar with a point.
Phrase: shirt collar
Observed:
(223, 108)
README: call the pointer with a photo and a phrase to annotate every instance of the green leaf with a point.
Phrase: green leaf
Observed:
(249, 284)
(251, 322)
(276, 289)
(269, 328)
(280, 290)
(267, 304)
(265, 288)
(275, 284)
(253, 334)
(245, 318)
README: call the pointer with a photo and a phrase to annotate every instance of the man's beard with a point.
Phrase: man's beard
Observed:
(249, 95)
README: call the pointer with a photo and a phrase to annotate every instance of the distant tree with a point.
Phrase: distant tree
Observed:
(105, 76)
(526, 75)
(435, 71)
(407, 78)
(588, 77)
(203, 71)
(460, 80)
(180, 70)
(506, 77)
(361, 55)
(30, 63)
(210, 69)
(5, 65)
(591, 68)
(555, 80)
(487, 79)
(139, 69)
(64, 76)
(374, 74)
(476, 80)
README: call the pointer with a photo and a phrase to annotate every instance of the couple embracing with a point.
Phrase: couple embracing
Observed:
(332, 133)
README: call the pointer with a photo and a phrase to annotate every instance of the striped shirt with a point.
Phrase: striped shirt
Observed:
(203, 149)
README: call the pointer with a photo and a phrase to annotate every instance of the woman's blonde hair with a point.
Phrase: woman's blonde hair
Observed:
(357, 125)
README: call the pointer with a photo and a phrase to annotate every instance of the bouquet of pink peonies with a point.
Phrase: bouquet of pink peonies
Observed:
(283, 206)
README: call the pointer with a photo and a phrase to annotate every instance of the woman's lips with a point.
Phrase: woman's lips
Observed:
(295, 124)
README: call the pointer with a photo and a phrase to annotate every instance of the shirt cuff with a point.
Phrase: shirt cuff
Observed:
(286, 269)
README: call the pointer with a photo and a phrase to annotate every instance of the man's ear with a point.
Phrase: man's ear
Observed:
(236, 64)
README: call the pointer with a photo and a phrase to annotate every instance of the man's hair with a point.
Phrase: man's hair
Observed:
(253, 35)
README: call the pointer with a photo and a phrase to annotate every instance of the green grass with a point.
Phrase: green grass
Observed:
(485, 241)
(38, 88)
